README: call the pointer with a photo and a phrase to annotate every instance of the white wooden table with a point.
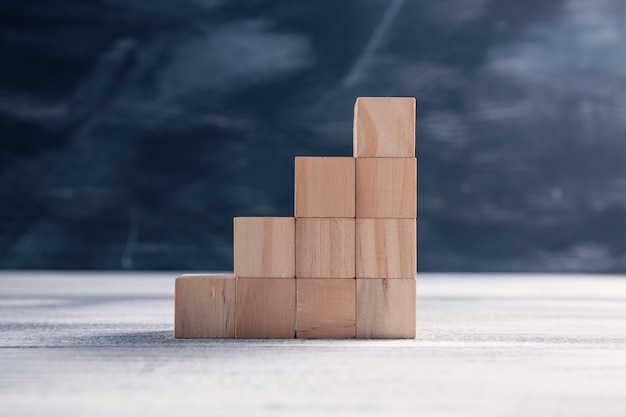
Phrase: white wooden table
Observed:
(488, 345)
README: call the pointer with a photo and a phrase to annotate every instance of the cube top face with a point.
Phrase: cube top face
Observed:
(385, 308)
(386, 248)
(266, 308)
(264, 247)
(204, 306)
(326, 308)
(384, 127)
(324, 187)
(386, 188)
(202, 277)
(325, 248)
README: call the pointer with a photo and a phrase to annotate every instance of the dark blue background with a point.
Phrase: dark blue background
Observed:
(131, 132)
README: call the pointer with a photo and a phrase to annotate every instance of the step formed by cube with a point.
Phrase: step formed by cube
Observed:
(204, 306)
(265, 247)
(384, 127)
(326, 308)
(266, 308)
(385, 308)
(386, 248)
(324, 187)
(325, 248)
(386, 188)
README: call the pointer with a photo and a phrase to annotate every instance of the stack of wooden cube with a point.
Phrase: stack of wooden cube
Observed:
(344, 267)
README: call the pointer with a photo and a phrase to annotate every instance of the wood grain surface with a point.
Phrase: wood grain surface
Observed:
(385, 308)
(386, 248)
(384, 127)
(324, 187)
(325, 248)
(386, 187)
(204, 306)
(266, 308)
(264, 247)
(326, 308)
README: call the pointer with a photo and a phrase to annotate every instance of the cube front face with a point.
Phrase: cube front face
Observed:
(386, 248)
(204, 306)
(266, 308)
(264, 247)
(384, 127)
(325, 248)
(326, 308)
(386, 188)
(324, 187)
(385, 308)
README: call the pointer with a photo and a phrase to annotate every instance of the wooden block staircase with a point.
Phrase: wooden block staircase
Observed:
(344, 266)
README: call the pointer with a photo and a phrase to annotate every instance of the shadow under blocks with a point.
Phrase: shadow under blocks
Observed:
(344, 266)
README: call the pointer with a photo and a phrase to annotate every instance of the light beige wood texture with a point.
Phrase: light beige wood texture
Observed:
(324, 187)
(265, 247)
(386, 188)
(266, 308)
(386, 248)
(385, 308)
(204, 306)
(384, 127)
(326, 308)
(325, 248)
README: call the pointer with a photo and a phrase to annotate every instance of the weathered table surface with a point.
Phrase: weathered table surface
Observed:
(488, 345)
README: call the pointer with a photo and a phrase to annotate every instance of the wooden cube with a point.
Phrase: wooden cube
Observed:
(265, 247)
(386, 188)
(384, 127)
(266, 308)
(324, 187)
(204, 306)
(386, 248)
(326, 308)
(325, 248)
(385, 308)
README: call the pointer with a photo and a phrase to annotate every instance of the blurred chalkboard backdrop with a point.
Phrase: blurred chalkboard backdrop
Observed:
(131, 132)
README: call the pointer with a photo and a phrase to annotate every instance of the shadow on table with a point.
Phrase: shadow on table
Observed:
(166, 339)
